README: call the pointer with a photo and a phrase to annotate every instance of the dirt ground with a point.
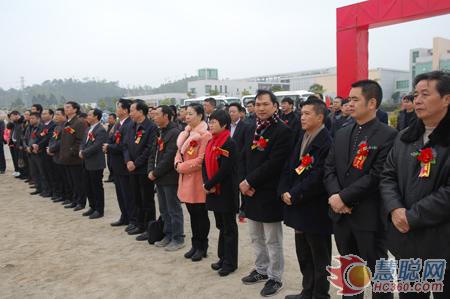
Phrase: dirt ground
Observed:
(47, 251)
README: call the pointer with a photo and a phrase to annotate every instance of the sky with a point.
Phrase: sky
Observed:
(149, 42)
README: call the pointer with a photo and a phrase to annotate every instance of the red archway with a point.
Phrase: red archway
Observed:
(354, 21)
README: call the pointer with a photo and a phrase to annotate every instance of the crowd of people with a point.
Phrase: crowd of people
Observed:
(341, 171)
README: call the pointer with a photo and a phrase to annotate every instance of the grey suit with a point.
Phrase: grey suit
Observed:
(94, 158)
(93, 166)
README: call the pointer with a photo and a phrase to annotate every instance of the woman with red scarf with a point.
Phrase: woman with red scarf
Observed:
(221, 188)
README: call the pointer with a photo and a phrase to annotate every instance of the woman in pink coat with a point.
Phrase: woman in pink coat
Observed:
(188, 163)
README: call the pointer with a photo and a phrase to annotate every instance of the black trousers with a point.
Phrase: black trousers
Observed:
(314, 255)
(60, 182)
(68, 185)
(75, 177)
(143, 192)
(25, 168)
(2, 155)
(49, 171)
(15, 157)
(94, 189)
(124, 198)
(108, 163)
(369, 245)
(227, 249)
(37, 172)
(199, 225)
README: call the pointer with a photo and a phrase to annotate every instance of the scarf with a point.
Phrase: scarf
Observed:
(262, 125)
(213, 152)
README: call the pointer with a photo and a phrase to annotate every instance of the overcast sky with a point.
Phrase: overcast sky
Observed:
(139, 42)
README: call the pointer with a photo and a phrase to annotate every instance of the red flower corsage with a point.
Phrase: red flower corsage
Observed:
(305, 164)
(361, 155)
(192, 145)
(260, 144)
(426, 157)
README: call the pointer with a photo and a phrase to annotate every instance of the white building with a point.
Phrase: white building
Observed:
(165, 98)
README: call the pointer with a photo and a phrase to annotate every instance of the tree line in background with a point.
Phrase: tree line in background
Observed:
(52, 93)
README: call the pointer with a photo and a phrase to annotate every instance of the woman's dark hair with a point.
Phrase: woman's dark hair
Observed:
(10, 125)
(222, 117)
(97, 113)
(141, 106)
(262, 92)
(198, 108)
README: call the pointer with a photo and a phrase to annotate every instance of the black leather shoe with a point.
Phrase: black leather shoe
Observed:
(225, 272)
(136, 231)
(198, 255)
(142, 237)
(66, 202)
(35, 192)
(190, 253)
(70, 206)
(78, 208)
(46, 194)
(118, 223)
(217, 265)
(88, 212)
(298, 296)
(130, 227)
(58, 199)
(95, 215)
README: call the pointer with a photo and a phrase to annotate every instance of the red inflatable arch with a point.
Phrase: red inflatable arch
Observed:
(354, 21)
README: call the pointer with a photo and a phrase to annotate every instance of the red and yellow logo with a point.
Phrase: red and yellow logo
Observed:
(351, 276)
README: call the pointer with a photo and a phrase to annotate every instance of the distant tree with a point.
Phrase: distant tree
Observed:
(276, 88)
(101, 104)
(316, 88)
(17, 104)
(245, 92)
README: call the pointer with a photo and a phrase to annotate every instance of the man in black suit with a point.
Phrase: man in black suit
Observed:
(47, 131)
(112, 119)
(251, 116)
(60, 179)
(93, 164)
(306, 201)
(237, 127)
(115, 148)
(2, 152)
(36, 160)
(209, 104)
(352, 174)
(140, 142)
(268, 143)
(290, 118)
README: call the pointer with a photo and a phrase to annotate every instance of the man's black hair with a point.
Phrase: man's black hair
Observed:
(141, 106)
(272, 96)
(370, 90)
(442, 78)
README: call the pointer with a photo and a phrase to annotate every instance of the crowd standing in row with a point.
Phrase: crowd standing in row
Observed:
(344, 172)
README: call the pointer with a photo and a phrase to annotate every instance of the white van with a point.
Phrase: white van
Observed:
(245, 99)
(298, 96)
(221, 101)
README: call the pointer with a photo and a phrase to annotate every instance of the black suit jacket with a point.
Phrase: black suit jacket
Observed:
(228, 200)
(140, 152)
(358, 189)
(116, 150)
(46, 134)
(262, 171)
(309, 209)
(70, 143)
(382, 116)
(239, 137)
(93, 156)
(54, 143)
